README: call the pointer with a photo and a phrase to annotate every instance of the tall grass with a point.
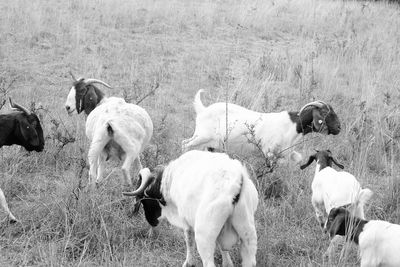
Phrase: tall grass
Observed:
(267, 55)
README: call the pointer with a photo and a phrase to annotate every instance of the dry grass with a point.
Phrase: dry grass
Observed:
(269, 55)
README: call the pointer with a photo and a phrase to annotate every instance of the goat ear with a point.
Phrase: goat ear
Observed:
(90, 100)
(79, 101)
(310, 160)
(318, 120)
(337, 163)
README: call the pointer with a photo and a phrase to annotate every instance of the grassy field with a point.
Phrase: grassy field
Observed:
(268, 55)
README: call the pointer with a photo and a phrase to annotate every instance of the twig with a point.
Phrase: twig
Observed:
(152, 92)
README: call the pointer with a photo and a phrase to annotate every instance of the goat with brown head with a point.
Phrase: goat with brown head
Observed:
(21, 127)
(274, 133)
(378, 241)
(83, 95)
(324, 159)
(149, 194)
(116, 129)
(316, 116)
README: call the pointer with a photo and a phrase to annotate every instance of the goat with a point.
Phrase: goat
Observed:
(22, 128)
(208, 195)
(116, 128)
(332, 189)
(249, 130)
(378, 241)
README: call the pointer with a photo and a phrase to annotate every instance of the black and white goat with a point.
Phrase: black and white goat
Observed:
(20, 127)
(272, 132)
(378, 241)
(115, 128)
(208, 195)
(332, 189)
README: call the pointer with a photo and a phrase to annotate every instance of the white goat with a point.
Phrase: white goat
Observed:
(115, 128)
(378, 241)
(332, 189)
(211, 197)
(272, 132)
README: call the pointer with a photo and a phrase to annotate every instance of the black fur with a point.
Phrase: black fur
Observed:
(154, 189)
(18, 128)
(152, 211)
(304, 124)
(110, 130)
(324, 158)
(87, 96)
(237, 197)
(341, 222)
(309, 120)
(152, 198)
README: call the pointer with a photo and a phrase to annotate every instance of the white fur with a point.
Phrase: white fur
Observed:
(199, 188)
(332, 189)
(379, 244)
(70, 103)
(4, 205)
(132, 129)
(275, 131)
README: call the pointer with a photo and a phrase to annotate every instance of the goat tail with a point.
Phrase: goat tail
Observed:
(198, 105)
(364, 196)
(237, 196)
(110, 129)
(245, 192)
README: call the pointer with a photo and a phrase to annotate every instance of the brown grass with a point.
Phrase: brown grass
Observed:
(268, 55)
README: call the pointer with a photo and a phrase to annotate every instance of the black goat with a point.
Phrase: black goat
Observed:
(20, 127)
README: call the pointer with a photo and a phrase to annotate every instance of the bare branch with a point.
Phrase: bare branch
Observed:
(270, 163)
(5, 88)
(150, 93)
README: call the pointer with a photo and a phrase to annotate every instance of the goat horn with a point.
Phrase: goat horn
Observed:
(146, 180)
(90, 81)
(317, 103)
(72, 75)
(17, 106)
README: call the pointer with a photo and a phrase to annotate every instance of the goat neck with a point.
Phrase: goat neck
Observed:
(322, 163)
(350, 226)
